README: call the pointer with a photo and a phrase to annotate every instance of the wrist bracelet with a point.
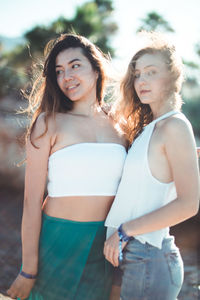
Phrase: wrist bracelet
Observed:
(122, 234)
(28, 276)
(123, 237)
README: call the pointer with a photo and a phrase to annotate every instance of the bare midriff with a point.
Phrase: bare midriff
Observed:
(78, 208)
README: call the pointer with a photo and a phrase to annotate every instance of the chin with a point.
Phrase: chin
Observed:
(145, 101)
(73, 99)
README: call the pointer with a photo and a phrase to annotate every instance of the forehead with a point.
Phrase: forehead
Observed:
(154, 59)
(70, 54)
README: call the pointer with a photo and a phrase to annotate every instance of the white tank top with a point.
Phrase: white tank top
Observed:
(139, 192)
(86, 169)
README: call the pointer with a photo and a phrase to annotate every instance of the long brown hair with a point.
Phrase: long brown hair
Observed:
(128, 110)
(46, 96)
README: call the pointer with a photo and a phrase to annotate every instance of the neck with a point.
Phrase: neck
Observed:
(159, 109)
(86, 108)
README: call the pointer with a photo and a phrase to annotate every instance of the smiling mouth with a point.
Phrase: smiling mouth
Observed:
(72, 87)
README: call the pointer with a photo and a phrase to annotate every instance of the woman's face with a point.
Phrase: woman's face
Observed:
(152, 79)
(75, 75)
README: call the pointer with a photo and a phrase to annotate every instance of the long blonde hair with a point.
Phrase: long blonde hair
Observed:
(128, 111)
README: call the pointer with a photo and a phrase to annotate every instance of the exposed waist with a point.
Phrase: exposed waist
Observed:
(79, 208)
(74, 223)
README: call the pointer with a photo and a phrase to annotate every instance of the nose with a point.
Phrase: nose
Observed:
(142, 79)
(67, 75)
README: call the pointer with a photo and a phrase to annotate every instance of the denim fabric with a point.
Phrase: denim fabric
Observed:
(150, 273)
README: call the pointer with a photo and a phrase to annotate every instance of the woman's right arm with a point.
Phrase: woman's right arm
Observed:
(35, 182)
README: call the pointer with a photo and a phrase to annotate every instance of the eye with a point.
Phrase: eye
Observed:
(75, 66)
(151, 72)
(137, 75)
(58, 72)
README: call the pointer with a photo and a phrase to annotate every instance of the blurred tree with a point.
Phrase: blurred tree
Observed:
(92, 20)
(191, 64)
(154, 21)
(192, 110)
(192, 98)
(19, 57)
(38, 37)
(1, 49)
(11, 79)
(197, 48)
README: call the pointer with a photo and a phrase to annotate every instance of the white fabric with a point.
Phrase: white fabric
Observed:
(139, 192)
(86, 169)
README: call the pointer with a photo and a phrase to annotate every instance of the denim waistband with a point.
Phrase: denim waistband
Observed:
(167, 244)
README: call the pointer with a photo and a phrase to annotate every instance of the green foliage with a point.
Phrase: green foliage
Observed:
(12, 77)
(92, 20)
(11, 81)
(197, 48)
(19, 57)
(105, 6)
(154, 21)
(191, 109)
(191, 64)
(38, 37)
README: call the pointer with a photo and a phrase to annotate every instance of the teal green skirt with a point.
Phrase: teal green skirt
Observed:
(71, 261)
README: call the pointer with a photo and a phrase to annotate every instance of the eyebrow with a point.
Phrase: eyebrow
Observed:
(147, 67)
(70, 62)
(150, 66)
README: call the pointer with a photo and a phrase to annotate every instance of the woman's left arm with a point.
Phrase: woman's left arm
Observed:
(181, 153)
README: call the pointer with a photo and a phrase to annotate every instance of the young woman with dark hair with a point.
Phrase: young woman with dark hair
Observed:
(72, 142)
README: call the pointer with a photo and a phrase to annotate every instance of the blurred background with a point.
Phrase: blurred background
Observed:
(25, 27)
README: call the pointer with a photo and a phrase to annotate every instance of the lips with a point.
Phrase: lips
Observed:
(72, 87)
(144, 92)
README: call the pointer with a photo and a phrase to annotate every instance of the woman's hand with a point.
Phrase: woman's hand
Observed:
(21, 287)
(111, 249)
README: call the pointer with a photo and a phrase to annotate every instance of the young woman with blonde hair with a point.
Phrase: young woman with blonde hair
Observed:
(160, 182)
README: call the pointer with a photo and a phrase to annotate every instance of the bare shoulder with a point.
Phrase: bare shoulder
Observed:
(177, 130)
(176, 125)
(44, 128)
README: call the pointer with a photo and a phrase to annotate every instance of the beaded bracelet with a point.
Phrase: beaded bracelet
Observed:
(123, 237)
(28, 276)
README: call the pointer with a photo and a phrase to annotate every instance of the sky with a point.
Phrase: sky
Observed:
(18, 16)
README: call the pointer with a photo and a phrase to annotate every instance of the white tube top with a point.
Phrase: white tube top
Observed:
(86, 169)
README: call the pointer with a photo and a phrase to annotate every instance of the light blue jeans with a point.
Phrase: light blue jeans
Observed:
(150, 273)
